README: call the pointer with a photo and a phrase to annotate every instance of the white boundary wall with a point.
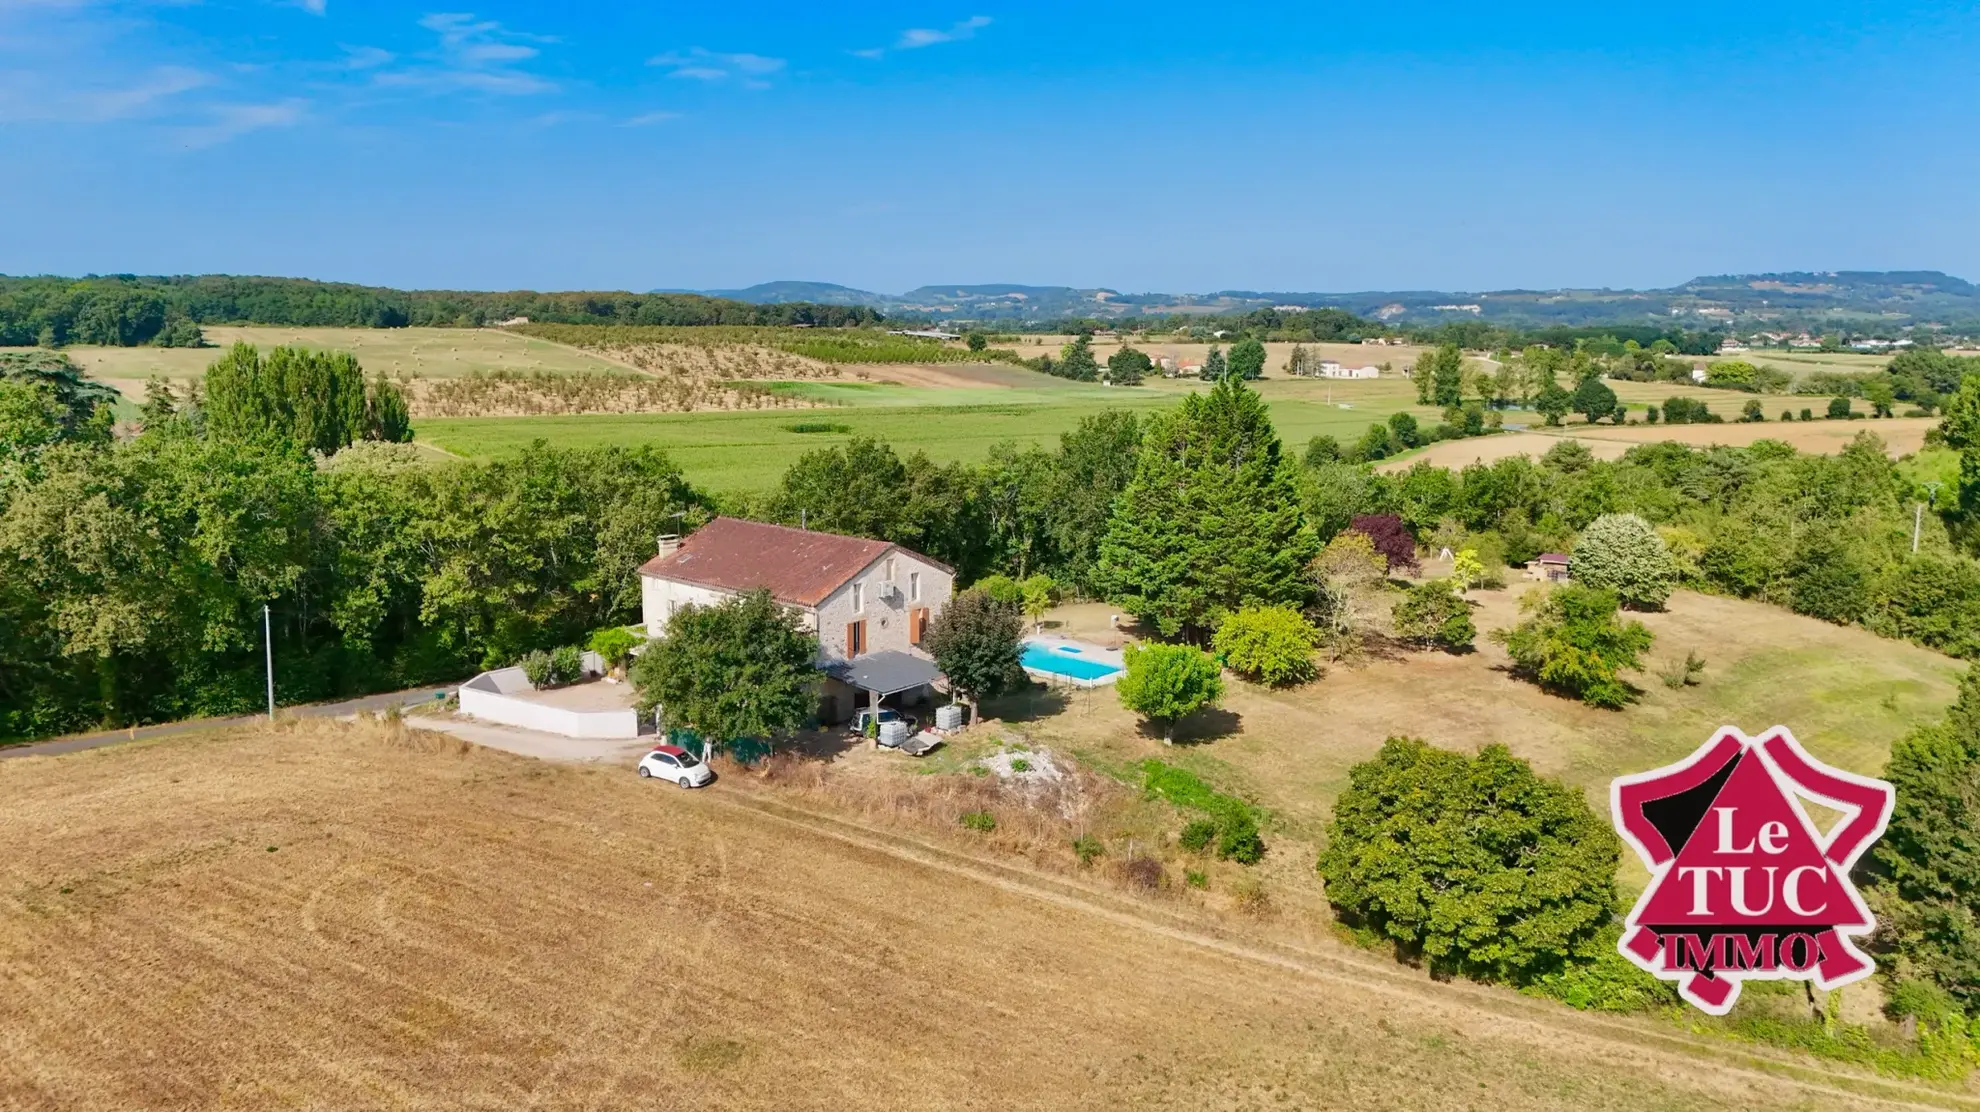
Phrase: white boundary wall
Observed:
(491, 696)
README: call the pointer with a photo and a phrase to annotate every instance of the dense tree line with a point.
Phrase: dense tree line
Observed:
(136, 567)
(126, 310)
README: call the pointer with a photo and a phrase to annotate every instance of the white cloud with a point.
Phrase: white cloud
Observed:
(366, 57)
(700, 64)
(646, 119)
(28, 96)
(228, 121)
(914, 38)
(918, 37)
(473, 55)
(314, 7)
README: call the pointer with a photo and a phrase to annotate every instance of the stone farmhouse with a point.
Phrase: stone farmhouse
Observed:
(869, 602)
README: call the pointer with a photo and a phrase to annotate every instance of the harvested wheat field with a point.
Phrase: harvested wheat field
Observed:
(1901, 435)
(328, 916)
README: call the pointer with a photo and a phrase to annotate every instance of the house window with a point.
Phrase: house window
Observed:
(914, 586)
(855, 638)
(859, 597)
(890, 569)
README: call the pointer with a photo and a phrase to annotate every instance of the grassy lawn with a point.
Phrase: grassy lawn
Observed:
(1846, 693)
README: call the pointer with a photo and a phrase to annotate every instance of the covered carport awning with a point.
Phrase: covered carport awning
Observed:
(884, 673)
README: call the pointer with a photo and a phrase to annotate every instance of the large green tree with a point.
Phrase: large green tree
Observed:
(1573, 643)
(1247, 359)
(1623, 553)
(975, 641)
(741, 669)
(1272, 645)
(1127, 367)
(317, 399)
(1167, 683)
(1928, 861)
(1475, 863)
(1211, 521)
(865, 489)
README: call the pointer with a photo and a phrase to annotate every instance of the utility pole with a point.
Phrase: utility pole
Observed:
(268, 646)
(1918, 513)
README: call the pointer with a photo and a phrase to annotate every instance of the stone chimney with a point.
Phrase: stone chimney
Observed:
(670, 543)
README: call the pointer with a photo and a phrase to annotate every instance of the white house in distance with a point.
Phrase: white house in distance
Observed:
(868, 601)
(1331, 369)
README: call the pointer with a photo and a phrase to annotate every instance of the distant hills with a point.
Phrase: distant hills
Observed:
(1861, 299)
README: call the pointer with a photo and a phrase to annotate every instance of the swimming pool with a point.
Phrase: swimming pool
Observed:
(1074, 662)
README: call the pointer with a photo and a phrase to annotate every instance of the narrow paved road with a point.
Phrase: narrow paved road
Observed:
(76, 743)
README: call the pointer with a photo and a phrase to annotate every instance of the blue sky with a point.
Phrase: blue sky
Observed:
(1147, 146)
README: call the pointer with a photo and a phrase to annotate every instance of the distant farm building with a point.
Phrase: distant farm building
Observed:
(1548, 567)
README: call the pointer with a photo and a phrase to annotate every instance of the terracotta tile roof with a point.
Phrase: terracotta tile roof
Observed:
(800, 567)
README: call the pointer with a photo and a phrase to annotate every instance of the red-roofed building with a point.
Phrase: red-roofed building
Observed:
(868, 601)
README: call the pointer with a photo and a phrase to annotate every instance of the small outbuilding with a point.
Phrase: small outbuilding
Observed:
(1548, 567)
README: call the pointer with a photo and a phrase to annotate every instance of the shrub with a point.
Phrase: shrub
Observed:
(1270, 644)
(983, 822)
(1232, 821)
(1391, 538)
(1144, 873)
(1195, 878)
(1237, 837)
(1477, 864)
(614, 645)
(1623, 554)
(1574, 645)
(1787, 414)
(1086, 847)
(1019, 764)
(818, 426)
(1433, 615)
(1807, 414)
(1001, 588)
(1683, 673)
(536, 668)
(1752, 412)
(1605, 981)
(1839, 409)
(1248, 895)
(1165, 683)
(566, 664)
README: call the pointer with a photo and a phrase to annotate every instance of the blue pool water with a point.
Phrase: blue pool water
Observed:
(1064, 662)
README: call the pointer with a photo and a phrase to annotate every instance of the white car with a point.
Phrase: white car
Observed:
(671, 762)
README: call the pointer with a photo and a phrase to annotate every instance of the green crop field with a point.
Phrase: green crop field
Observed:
(750, 451)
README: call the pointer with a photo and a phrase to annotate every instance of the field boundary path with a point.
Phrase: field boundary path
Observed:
(1542, 1020)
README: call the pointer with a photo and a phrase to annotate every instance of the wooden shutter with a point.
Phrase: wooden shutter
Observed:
(917, 624)
(855, 638)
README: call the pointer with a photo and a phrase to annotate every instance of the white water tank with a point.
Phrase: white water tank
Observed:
(949, 717)
(893, 733)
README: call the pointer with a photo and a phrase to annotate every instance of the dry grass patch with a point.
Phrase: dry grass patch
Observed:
(1902, 436)
(324, 916)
